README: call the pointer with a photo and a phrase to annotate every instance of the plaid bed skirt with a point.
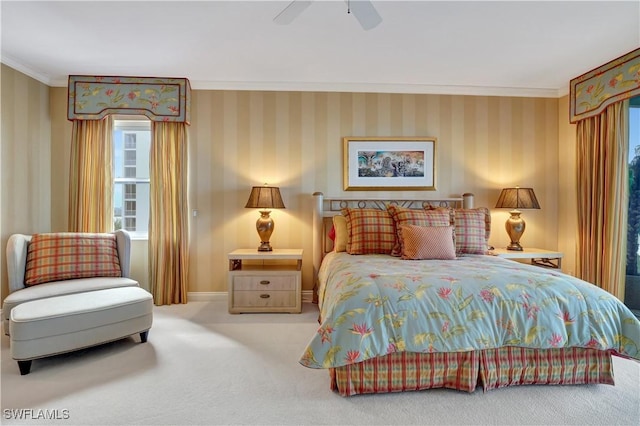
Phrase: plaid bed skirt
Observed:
(491, 368)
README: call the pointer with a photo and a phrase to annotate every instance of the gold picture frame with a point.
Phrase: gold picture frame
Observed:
(389, 163)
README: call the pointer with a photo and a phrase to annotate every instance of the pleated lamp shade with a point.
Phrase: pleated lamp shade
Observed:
(265, 197)
(518, 198)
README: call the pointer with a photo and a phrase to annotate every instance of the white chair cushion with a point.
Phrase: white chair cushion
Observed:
(60, 288)
(58, 324)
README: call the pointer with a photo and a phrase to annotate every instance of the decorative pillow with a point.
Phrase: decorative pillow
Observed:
(342, 235)
(473, 229)
(405, 216)
(332, 233)
(427, 242)
(68, 255)
(370, 231)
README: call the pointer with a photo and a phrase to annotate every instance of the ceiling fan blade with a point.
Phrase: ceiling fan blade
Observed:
(365, 13)
(291, 12)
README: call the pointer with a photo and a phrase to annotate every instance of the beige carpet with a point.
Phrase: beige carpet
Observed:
(204, 366)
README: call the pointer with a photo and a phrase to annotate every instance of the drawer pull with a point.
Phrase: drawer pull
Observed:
(265, 296)
(265, 282)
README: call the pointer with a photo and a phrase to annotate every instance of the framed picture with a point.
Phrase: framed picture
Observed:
(383, 164)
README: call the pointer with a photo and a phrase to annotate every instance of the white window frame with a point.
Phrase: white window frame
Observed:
(130, 123)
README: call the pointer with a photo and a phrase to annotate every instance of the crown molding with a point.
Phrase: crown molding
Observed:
(377, 88)
(18, 66)
(349, 87)
(564, 91)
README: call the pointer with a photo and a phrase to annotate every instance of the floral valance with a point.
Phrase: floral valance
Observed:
(160, 99)
(612, 82)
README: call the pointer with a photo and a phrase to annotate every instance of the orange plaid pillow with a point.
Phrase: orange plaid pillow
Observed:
(427, 242)
(68, 255)
(473, 229)
(405, 216)
(369, 231)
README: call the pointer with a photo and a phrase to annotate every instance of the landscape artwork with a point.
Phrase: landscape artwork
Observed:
(389, 163)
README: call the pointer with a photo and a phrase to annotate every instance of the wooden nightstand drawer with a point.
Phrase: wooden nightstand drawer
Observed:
(264, 282)
(264, 299)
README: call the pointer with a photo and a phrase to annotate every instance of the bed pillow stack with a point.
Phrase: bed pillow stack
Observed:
(374, 231)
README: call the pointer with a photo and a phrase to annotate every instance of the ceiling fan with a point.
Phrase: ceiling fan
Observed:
(363, 11)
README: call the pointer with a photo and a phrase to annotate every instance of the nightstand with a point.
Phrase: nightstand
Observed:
(538, 257)
(265, 281)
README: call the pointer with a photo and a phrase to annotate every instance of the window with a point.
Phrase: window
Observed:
(130, 141)
(129, 208)
(130, 157)
(129, 190)
(130, 224)
(632, 284)
(131, 144)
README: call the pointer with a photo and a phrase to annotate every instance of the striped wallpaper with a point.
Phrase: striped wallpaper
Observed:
(294, 140)
(26, 169)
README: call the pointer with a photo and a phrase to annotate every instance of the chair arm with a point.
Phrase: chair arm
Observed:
(17, 260)
(123, 243)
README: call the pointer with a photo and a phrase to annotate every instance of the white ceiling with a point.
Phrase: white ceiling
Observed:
(456, 47)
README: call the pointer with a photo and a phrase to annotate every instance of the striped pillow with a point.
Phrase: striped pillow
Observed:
(370, 231)
(69, 255)
(473, 228)
(340, 226)
(405, 216)
(427, 242)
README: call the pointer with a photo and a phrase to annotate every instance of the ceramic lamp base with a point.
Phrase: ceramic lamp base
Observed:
(264, 226)
(515, 228)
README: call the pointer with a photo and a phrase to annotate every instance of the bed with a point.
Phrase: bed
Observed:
(410, 299)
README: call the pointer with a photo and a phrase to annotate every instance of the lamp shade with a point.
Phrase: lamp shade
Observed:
(265, 197)
(518, 198)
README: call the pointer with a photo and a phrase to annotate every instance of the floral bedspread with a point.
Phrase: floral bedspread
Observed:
(376, 304)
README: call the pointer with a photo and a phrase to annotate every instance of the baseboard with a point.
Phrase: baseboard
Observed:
(210, 296)
(207, 296)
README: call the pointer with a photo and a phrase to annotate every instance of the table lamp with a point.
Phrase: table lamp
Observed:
(516, 198)
(265, 197)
